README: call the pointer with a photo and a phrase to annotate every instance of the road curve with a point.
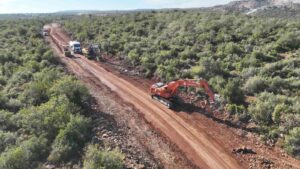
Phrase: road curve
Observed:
(198, 146)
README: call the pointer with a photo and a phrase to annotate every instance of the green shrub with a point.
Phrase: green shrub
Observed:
(249, 72)
(233, 93)
(207, 68)
(292, 142)
(277, 85)
(48, 118)
(288, 41)
(70, 140)
(218, 83)
(232, 48)
(134, 57)
(279, 110)
(14, 159)
(73, 90)
(95, 158)
(263, 110)
(3, 101)
(27, 155)
(235, 109)
(36, 93)
(14, 105)
(255, 85)
(239, 111)
(5, 120)
(289, 121)
(7, 139)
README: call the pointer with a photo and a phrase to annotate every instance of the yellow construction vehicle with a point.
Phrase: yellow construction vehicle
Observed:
(66, 51)
(91, 52)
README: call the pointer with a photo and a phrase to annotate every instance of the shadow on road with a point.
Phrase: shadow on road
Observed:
(190, 108)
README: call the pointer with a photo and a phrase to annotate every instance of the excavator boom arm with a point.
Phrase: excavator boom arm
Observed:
(169, 90)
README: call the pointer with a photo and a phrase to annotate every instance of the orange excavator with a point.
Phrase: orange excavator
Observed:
(165, 93)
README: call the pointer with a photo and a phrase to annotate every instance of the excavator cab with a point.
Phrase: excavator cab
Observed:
(158, 85)
(156, 90)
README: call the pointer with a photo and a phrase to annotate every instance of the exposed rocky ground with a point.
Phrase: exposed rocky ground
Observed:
(252, 6)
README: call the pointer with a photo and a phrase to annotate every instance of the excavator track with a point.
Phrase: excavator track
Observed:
(164, 101)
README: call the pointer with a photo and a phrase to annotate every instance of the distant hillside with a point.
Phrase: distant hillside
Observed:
(287, 11)
(252, 4)
(272, 8)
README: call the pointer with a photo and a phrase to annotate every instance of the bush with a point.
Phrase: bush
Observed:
(14, 105)
(279, 110)
(207, 68)
(290, 121)
(217, 83)
(255, 85)
(70, 140)
(232, 48)
(73, 90)
(239, 111)
(46, 119)
(233, 93)
(5, 120)
(7, 139)
(292, 142)
(277, 85)
(263, 109)
(288, 41)
(36, 93)
(27, 155)
(95, 158)
(134, 57)
(249, 72)
(3, 101)
(14, 159)
(262, 112)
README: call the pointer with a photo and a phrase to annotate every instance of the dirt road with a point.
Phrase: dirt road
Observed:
(197, 145)
(206, 143)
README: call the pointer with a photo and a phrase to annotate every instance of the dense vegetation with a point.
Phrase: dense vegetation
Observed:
(286, 12)
(43, 112)
(240, 55)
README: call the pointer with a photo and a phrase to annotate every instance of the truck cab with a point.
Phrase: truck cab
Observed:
(75, 46)
(45, 32)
